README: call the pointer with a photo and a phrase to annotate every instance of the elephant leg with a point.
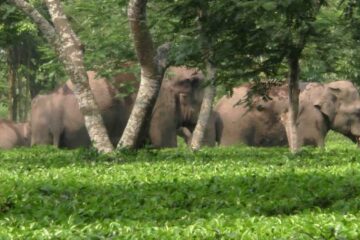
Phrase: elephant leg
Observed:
(164, 121)
(56, 139)
(162, 131)
(163, 138)
(40, 134)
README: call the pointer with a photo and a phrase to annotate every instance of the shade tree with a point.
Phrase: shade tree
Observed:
(61, 36)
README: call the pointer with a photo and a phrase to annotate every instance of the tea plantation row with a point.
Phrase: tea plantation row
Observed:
(220, 193)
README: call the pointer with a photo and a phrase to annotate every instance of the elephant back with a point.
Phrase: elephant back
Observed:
(347, 91)
(13, 134)
(311, 92)
(104, 93)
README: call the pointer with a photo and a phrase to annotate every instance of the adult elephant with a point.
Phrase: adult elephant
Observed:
(334, 105)
(56, 118)
(177, 108)
(14, 134)
(251, 120)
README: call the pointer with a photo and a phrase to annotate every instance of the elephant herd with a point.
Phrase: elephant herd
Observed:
(56, 118)
(322, 107)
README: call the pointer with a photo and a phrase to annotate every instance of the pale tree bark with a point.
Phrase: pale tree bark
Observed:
(206, 109)
(69, 48)
(153, 65)
(210, 90)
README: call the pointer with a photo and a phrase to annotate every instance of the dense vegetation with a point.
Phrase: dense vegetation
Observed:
(216, 193)
(250, 42)
(226, 193)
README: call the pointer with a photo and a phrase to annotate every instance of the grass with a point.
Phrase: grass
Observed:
(219, 193)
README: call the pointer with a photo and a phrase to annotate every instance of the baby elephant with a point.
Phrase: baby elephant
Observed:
(14, 134)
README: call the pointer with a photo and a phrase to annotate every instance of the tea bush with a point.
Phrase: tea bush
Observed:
(217, 193)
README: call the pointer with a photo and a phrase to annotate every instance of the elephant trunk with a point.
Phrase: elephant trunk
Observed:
(187, 109)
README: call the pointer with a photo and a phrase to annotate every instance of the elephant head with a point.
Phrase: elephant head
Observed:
(340, 104)
(186, 85)
(177, 106)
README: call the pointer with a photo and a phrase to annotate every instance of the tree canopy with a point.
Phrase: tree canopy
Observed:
(250, 38)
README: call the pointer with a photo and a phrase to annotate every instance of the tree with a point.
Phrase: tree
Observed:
(69, 48)
(18, 37)
(299, 28)
(210, 90)
(153, 65)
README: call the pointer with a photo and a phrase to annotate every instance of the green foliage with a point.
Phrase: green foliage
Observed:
(250, 38)
(3, 110)
(219, 193)
(104, 30)
(13, 25)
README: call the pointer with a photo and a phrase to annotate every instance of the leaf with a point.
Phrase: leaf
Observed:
(269, 5)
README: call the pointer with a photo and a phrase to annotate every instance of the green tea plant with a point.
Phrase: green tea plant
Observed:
(217, 193)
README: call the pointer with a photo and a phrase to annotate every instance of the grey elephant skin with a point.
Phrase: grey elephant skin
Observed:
(56, 118)
(177, 108)
(334, 105)
(14, 134)
(254, 124)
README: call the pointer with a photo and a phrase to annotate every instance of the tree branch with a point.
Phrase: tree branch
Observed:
(152, 71)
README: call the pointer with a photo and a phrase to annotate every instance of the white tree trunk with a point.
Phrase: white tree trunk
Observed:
(206, 109)
(68, 46)
(152, 72)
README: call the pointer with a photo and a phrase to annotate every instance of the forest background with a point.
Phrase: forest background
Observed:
(250, 42)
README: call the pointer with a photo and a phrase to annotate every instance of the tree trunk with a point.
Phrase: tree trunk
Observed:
(20, 99)
(152, 71)
(294, 92)
(30, 60)
(21, 71)
(210, 90)
(73, 56)
(30, 87)
(206, 109)
(69, 49)
(12, 96)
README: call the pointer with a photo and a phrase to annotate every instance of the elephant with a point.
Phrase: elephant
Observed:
(254, 123)
(323, 107)
(56, 118)
(177, 108)
(339, 105)
(14, 134)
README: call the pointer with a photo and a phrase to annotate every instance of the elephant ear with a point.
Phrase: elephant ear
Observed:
(327, 103)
